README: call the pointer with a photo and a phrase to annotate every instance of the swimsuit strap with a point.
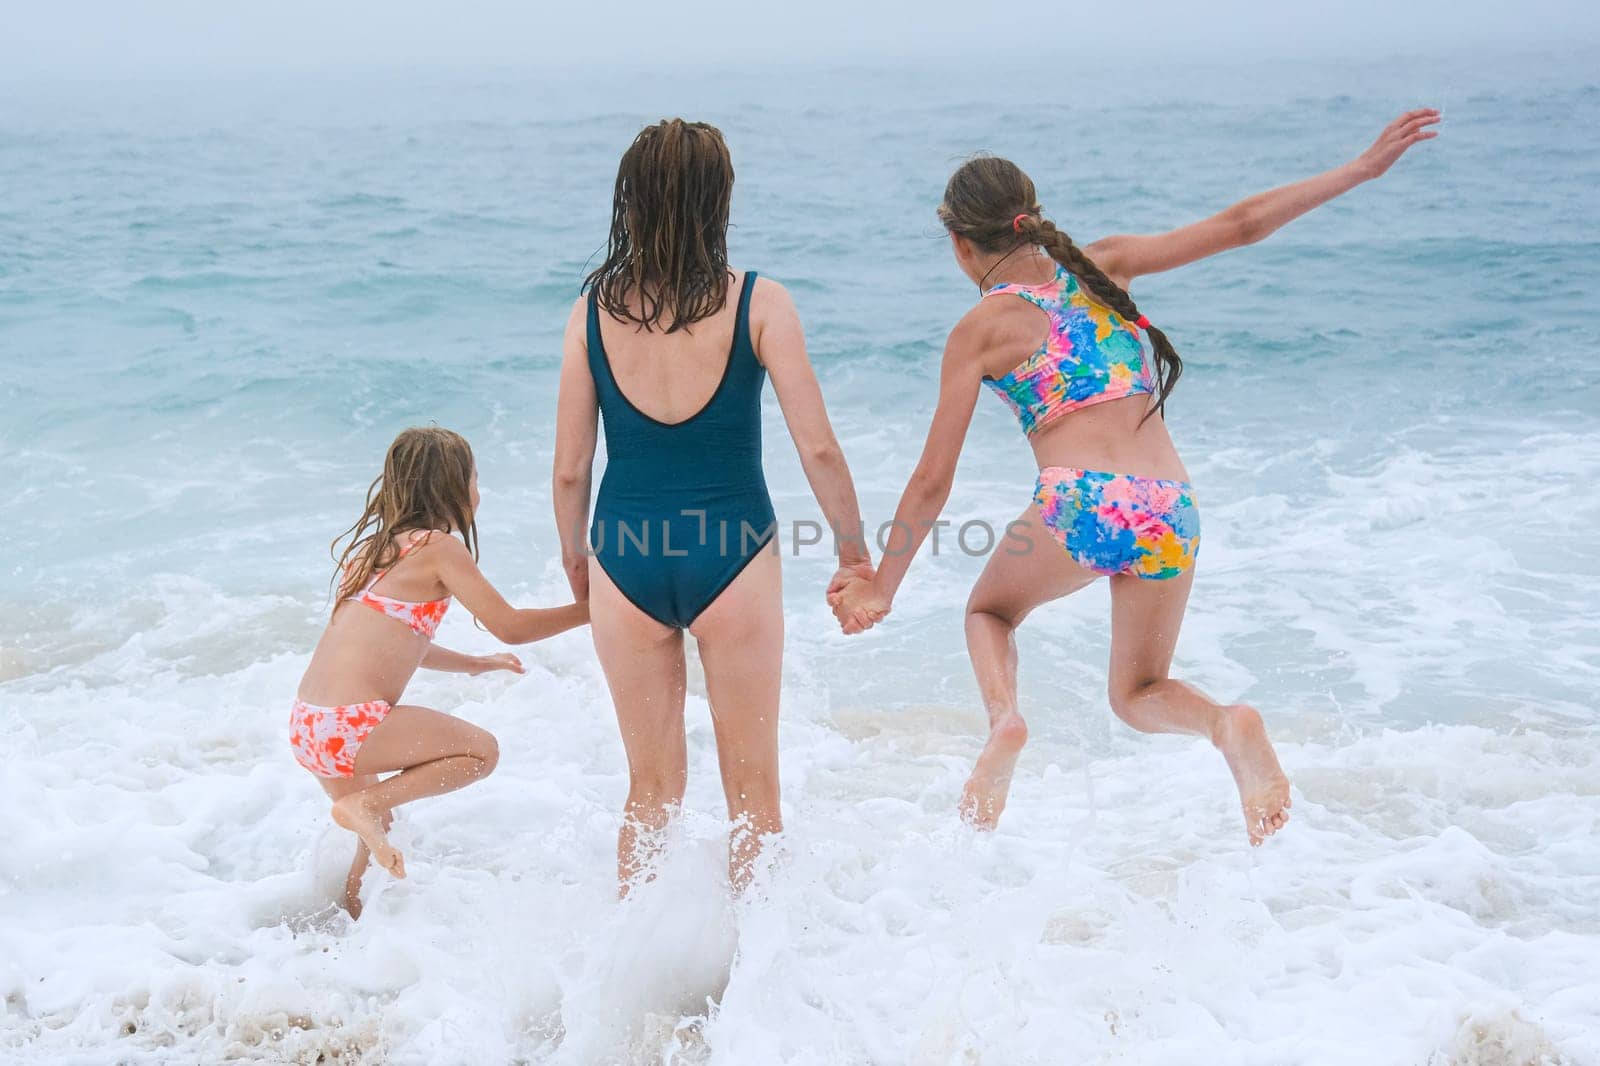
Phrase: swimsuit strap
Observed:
(1031, 293)
(404, 551)
(598, 364)
(741, 318)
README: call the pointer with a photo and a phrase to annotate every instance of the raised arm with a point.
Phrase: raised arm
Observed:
(780, 343)
(1126, 256)
(858, 604)
(458, 571)
(577, 411)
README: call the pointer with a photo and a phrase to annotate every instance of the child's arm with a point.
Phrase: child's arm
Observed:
(1129, 256)
(458, 662)
(859, 602)
(458, 572)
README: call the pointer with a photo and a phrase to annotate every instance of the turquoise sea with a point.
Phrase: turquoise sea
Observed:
(219, 300)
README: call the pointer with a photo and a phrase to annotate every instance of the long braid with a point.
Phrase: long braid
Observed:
(1058, 246)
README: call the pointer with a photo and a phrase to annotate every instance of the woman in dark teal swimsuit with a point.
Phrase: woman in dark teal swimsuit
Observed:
(672, 348)
(670, 560)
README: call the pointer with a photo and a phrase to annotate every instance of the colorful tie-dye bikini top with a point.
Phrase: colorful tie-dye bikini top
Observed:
(423, 616)
(1091, 355)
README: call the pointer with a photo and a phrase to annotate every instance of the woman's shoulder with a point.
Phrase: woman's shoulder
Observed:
(578, 314)
(766, 288)
(769, 299)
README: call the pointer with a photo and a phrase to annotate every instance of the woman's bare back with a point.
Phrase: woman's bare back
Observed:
(671, 376)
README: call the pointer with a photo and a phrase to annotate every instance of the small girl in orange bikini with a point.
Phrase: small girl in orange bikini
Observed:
(414, 548)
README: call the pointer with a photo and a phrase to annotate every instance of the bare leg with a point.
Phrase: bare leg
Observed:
(337, 788)
(741, 647)
(1145, 617)
(434, 752)
(644, 667)
(1026, 570)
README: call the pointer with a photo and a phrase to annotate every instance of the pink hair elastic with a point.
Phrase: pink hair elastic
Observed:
(1143, 322)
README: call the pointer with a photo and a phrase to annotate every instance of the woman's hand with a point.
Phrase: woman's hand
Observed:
(851, 574)
(500, 661)
(1396, 137)
(846, 573)
(857, 603)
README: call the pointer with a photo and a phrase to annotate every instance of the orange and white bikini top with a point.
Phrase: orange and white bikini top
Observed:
(423, 616)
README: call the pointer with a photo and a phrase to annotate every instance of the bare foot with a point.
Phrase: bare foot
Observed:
(1263, 788)
(369, 824)
(985, 795)
(352, 899)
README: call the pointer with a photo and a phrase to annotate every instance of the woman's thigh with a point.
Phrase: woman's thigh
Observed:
(644, 667)
(740, 637)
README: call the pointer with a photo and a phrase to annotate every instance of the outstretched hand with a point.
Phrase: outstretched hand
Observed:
(500, 661)
(1396, 137)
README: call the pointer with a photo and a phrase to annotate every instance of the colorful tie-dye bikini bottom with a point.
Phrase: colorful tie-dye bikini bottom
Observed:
(1120, 523)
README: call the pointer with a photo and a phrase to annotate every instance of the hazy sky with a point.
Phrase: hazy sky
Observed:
(78, 38)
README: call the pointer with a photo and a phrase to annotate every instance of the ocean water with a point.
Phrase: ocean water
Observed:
(219, 301)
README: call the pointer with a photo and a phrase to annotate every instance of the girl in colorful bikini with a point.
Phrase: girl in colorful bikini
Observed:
(414, 548)
(1112, 498)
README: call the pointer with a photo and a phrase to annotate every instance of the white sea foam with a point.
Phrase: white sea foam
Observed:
(169, 883)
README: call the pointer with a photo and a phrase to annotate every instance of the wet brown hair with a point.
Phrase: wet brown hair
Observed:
(669, 228)
(982, 199)
(426, 484)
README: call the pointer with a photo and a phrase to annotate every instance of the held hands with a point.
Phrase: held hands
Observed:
(857, 604)
(501, 661)
(1396, 137)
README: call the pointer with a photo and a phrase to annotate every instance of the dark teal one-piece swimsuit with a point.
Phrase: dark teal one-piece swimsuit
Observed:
(683, 506)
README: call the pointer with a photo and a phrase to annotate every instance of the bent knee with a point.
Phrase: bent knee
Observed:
(1125, 696)
(486, 749)
(982, 609)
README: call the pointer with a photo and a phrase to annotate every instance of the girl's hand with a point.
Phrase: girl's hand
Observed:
(501, 661)
(858, 605)
(1396, 137)
(851, 574)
